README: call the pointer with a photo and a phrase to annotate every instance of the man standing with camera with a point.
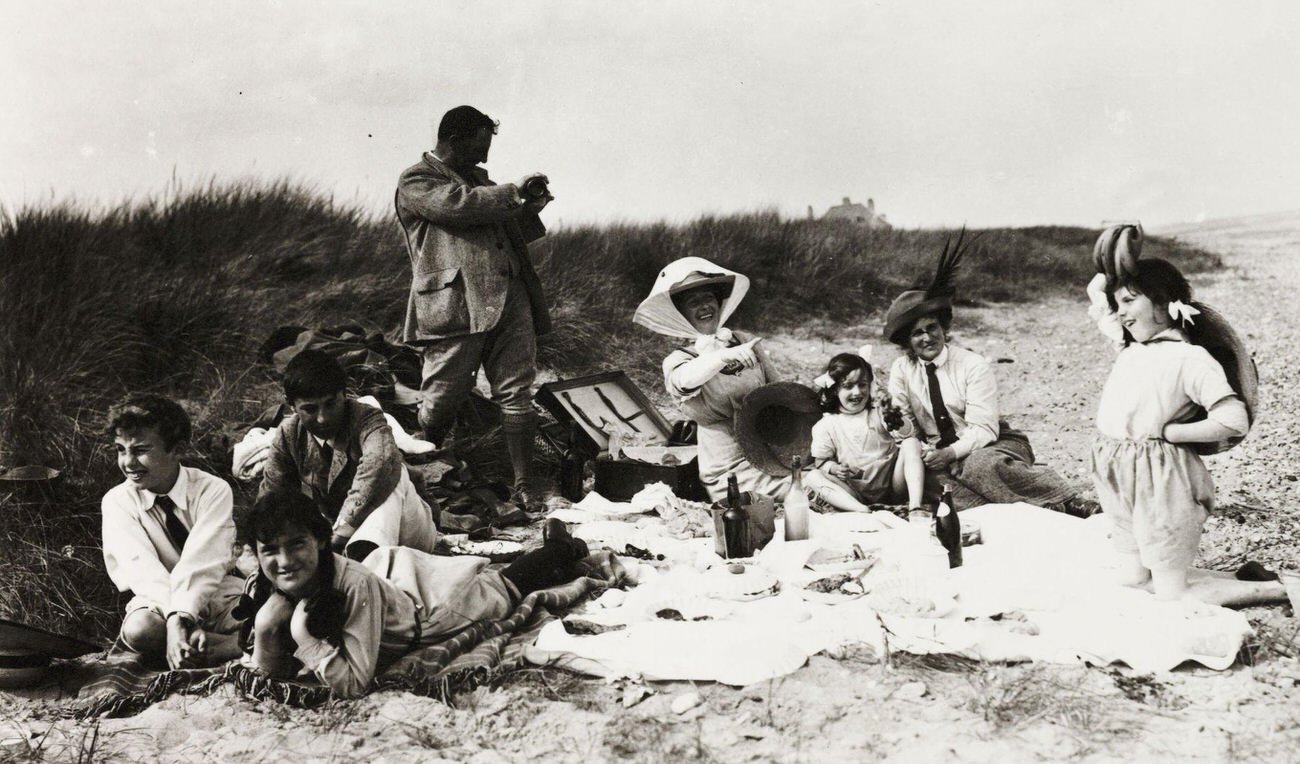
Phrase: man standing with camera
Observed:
(475, 299)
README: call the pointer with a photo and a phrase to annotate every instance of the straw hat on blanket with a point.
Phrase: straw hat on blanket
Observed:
(26, 652)
(774, 425)
(1116, 254)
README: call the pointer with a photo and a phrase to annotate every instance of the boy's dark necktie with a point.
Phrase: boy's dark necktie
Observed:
(175, 528)
(947, 433)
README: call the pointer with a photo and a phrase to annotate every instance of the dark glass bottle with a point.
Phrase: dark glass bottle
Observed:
(735, 522)
(572, 466)
(947, 528)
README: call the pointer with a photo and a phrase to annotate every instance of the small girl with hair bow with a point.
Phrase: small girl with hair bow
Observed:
(1151, 483)
(863, 454)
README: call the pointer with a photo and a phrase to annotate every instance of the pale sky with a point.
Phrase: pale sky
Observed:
(995, 113)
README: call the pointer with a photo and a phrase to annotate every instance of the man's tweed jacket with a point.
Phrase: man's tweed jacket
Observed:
(465, 235)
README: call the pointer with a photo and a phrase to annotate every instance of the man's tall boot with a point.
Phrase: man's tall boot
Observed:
(520, 431)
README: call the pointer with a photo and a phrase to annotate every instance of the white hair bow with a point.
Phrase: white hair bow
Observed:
(719, 340)
(825, 382)
(1181, 311)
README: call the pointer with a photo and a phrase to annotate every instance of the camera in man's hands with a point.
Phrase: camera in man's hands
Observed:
(536, 188)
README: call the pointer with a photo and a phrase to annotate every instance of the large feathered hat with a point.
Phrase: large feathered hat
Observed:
(924, 299)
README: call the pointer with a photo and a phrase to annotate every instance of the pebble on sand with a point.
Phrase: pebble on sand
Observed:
(685, 702)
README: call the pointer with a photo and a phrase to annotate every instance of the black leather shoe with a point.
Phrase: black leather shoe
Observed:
(1077, 506)
(531, 501)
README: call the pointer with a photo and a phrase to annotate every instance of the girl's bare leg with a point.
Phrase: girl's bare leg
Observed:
(909, 472)
(834, 491)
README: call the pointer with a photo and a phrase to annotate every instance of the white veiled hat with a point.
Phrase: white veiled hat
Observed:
(657, 311)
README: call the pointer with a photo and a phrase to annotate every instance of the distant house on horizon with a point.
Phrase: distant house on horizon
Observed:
(855, 213)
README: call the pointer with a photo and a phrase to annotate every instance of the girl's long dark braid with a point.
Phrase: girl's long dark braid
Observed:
(325, 616)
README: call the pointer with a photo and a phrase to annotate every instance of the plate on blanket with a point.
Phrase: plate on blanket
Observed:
(828, 560)
(496, 550)
(912, 596)
(750, 583)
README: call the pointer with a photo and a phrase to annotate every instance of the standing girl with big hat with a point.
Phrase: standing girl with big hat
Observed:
(1166, 397)
(692, 299)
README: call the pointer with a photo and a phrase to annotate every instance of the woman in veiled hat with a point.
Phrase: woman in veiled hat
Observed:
(950, 394)
(709, 378)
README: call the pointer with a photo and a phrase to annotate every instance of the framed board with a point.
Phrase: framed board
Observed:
(608, 398)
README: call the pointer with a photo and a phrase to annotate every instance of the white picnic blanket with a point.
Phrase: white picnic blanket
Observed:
(1039, 588)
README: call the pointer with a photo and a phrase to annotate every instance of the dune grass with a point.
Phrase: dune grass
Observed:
(174, 293)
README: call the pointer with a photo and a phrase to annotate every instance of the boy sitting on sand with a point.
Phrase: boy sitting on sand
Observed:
(168, 538)
(342, 454)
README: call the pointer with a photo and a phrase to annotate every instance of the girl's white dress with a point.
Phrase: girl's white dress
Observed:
(862, 442)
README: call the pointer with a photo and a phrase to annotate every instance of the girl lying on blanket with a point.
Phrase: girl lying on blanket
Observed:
(342, 620)
(1150, 480)
(862, 457)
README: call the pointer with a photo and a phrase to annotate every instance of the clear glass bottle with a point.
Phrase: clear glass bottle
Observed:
(797, 507)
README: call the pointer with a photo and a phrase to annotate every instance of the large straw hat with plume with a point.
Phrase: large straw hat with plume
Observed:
(933, 296)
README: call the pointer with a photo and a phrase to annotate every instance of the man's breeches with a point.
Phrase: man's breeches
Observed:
(508, 355)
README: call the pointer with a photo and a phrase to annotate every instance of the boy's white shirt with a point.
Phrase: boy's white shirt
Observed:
(140, 556)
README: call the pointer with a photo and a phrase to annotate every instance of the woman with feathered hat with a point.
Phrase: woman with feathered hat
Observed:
(692, 299)
(950, 395)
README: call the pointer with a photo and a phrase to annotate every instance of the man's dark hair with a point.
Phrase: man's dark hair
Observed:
(313, 374)
(141, 411)
(464, 121)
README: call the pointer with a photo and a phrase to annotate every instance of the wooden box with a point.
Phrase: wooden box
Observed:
(597, 400)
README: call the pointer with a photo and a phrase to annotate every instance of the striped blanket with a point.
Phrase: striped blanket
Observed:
(122, 685)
